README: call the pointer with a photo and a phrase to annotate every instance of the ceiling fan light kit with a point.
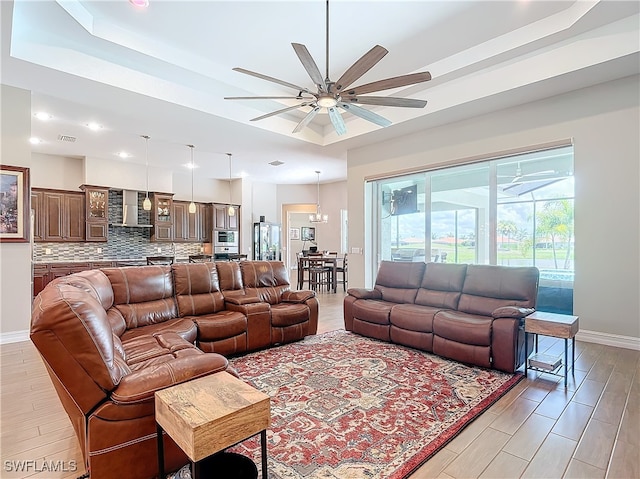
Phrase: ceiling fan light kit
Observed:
(336, 96)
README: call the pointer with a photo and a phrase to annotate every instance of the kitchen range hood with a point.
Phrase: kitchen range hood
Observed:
(130, 211)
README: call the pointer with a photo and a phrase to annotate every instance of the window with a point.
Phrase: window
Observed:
(445, 215)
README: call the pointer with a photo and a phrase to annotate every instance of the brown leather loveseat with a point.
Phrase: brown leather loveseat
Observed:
(110, 338)
(471, 313)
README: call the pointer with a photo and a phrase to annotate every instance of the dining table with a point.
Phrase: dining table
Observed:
(331, 261)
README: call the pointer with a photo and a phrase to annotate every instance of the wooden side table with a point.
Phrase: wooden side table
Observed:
(209, 414)
(555, 325)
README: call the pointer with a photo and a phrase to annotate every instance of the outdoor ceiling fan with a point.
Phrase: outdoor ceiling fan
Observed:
(338, 95)
(519, 176)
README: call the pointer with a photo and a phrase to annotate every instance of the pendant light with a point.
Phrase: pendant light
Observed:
(318, 217)
(231, 211)
(146, 204)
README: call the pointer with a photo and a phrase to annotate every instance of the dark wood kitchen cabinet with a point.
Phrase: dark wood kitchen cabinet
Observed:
(36, 209)
(97, 213)
(189, 227)
(162, 217)
(59, 215)
(205, 210)
(222, 221)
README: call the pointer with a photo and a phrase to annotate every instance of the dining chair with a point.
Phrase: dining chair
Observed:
(319, 273)
(303, 268)
(163, 260)
(342, 270)
(200, 258)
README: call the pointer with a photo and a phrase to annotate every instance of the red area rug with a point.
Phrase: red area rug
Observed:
(346, 406)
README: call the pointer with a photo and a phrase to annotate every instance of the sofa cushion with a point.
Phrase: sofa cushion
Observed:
(185, 328)
(399, 282)
(487, 288)
(230, 277)
(372, 310)
(197, 289)
(288, 314)
(441, 285)
(413, 317)
(266, 280)
(222, 325)
(145, 350)
(143, 295)
(463, 328)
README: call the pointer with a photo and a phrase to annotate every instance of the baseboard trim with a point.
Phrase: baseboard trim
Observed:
(626, 342)
(14, 336)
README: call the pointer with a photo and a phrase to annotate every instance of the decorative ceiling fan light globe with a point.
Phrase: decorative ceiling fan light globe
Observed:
(192, 207)
(146, 204)
(231, 211)
(327, 101)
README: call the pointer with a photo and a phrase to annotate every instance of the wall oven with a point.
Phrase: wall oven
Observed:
(226, 238)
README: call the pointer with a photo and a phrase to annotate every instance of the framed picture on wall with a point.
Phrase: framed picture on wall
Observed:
(15, 217)
(308, 233)
(294, 233)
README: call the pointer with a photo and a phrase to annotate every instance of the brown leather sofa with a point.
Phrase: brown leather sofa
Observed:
(471, 313)
(110, 338)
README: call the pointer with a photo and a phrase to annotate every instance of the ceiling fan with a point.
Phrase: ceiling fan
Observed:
(519, 176)
(339, 95)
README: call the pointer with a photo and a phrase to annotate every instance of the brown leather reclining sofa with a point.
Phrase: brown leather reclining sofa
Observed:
(471, 313)
(110, 338)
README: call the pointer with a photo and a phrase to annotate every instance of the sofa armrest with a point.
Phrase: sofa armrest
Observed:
(141, 385)
(297, 296)
(362, 293)
(511, 312)
(241, 300)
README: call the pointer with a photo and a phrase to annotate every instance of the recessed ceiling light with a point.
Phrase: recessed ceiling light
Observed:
(139, 3)
(191, 166)
(43, 115)
(124, 154)
(35, 141)
(94, 126)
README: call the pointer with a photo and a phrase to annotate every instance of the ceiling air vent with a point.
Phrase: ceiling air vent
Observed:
(276, 163)
(70, 139)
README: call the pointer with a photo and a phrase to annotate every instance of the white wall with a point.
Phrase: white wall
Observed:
(604, 123)
(15, 258)
(57, 172)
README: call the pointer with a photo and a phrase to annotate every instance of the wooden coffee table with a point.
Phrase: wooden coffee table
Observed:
(563, 326)
(209, 414)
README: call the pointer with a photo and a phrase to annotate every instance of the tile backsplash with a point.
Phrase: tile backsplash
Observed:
(123, 243)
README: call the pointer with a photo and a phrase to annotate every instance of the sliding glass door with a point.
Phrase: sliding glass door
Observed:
(512, 211)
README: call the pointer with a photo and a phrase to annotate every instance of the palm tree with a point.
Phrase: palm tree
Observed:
(556, 220)
(507, 228)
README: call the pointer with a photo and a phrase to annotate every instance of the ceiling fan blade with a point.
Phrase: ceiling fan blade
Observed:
(362, 66)
(271, 79)
(277, 112)
(386, 101)
(386, 84)
(267, 98)
(337, 121)
(310, 65)
(365, 114)
(307, 119)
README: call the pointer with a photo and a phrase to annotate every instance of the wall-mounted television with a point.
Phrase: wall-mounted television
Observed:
(308, 233)
(404, 201)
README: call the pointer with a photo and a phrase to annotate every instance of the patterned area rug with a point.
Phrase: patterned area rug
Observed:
(345, 406)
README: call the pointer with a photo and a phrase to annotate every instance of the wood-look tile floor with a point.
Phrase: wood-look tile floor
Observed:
(539, 429)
